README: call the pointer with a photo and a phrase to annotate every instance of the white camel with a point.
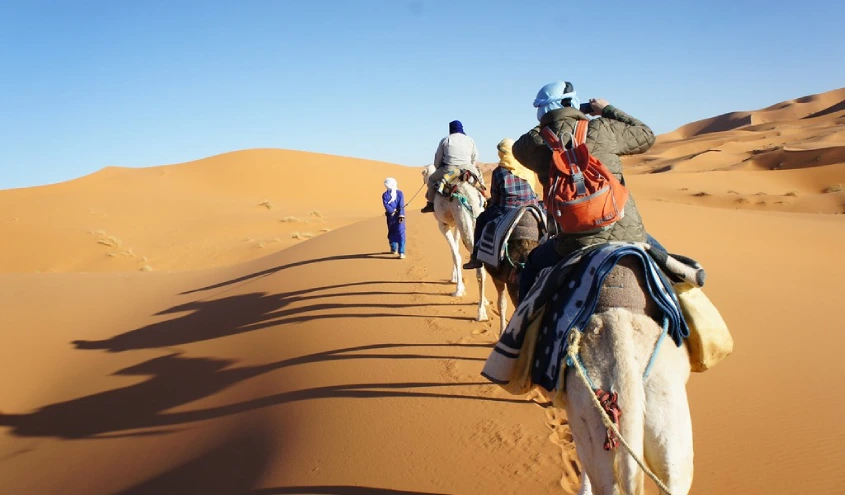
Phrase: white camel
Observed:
(457, 223)
(615, 349)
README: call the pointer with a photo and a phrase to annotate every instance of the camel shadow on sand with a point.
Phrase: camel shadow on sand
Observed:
(208, 319)
(233, 315)
(175, 380)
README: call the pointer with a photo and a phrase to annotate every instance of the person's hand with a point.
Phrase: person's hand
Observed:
(598, 105)
(401, 219)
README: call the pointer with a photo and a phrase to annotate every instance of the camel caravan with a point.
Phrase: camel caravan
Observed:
(608, 324)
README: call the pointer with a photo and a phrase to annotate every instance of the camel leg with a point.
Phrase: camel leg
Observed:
(503, 309)
(450, 234)
(668, 427)
(480, 275)
(501, 289)
(457, 273)
(586, 487)
(588, 431)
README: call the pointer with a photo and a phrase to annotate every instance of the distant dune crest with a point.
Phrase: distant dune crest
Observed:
(807, 107)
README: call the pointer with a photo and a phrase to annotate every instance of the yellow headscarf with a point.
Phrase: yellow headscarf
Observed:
(509, 162)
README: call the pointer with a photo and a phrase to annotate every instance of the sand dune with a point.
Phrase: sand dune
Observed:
(209, 212)
(325, 366)
(756, 166)
(824, 104)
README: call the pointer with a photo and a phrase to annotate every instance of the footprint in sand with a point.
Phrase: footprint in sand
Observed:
(435, 325)
(561, 435)
(450, 370)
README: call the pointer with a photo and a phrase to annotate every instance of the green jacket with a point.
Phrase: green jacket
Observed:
(614, 134)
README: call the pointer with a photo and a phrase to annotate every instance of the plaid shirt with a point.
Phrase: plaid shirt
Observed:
(509, 190)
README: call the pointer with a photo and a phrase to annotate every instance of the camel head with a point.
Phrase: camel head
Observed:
(427, 171)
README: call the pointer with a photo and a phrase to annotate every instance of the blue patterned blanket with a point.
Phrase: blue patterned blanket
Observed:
(565, 296)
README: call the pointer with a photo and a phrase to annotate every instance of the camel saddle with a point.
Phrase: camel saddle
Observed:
(494, 239)
(453, 178)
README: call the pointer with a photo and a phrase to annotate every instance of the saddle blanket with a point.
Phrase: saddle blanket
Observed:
(564, 297)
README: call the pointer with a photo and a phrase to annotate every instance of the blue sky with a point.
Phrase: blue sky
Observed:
(84, 85)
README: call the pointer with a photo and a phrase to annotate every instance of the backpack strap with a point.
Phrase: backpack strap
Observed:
(552, 140)
(579, 137)
(580, 133)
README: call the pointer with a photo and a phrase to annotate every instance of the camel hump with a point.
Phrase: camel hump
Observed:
(625, 286)
(523, 222)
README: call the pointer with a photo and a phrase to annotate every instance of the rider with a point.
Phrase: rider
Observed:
(614, 134)
(510, 188)
(455, 152)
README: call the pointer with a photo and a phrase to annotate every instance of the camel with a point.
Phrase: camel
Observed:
(506, 275)
(457, 223)
(616, 348)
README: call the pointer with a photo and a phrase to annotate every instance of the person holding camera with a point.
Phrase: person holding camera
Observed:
(612, 135)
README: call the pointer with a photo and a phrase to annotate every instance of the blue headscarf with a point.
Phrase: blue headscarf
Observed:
(550, 95)
(455, 126)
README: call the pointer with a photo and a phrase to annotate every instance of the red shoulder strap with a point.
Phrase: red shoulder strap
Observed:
(581, 131)
(551, 139)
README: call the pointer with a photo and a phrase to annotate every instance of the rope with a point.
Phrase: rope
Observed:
(414, 196)
(464, 202)
(573, 353)
(508, 256)
(657, 347)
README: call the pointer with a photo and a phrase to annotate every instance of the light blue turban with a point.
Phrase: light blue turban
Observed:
(550, 95)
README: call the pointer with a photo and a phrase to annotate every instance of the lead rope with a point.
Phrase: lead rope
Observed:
(414, 196)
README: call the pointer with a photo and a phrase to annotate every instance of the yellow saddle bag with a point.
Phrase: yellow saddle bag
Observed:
(709, 340)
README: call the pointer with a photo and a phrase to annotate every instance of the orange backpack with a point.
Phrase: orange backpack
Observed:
(582, 194)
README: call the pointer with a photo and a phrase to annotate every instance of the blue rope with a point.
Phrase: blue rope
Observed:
(464, 202)
(508, 256)
(657, 347)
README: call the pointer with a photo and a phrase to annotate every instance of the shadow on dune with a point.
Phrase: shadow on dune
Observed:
(233, 467)
(336, 490)
(175, 381)
(276, 269)
(233, 315)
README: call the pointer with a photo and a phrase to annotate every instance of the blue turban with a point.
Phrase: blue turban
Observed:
(550, 95)
(455, 126)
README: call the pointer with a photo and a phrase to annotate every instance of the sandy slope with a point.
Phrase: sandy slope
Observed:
(210, 212)
(333, 367)
(317, 366)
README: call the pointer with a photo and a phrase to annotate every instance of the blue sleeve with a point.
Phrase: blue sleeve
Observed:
(385, 200)
(400, 198)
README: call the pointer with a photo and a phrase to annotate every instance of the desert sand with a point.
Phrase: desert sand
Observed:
(233, 325)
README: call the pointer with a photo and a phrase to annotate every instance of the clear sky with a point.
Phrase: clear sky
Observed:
(85, 84)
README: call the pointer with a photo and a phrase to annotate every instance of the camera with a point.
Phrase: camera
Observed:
(586, 107)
